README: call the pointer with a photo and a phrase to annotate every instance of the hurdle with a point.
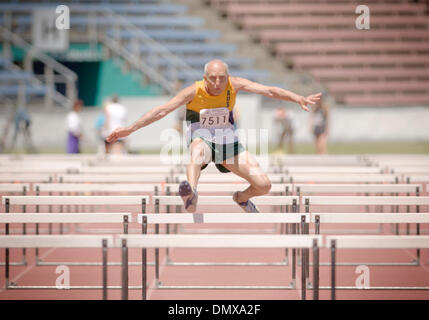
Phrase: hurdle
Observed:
(222, 200)
(367, 200)
(63, 241)
(98, 189)
(164, 170)
(16, 188)
(410, 170)
(322, 218)
(227, 178)
(67, 200)
(26, 177)
(112, 178)
(225, 200)
(349, 188)
(316, 160)
(379, 189)
(291, 170)
(215, 241)
(371, 242)
(228, 187)
(279, 188)
(76, 217)
(210, 218)
(39, 169)
(417, 178)
(348, 178)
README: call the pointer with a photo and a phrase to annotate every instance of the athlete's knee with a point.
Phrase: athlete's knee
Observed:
(263, 185)
(198, 152)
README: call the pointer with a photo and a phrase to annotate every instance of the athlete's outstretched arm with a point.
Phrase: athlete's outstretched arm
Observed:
(274, 92)
(157, 113)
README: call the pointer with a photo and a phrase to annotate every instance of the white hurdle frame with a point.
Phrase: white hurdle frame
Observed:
(216, 241)
(65, 200)
(371, 242)
(26, 177)
(152, 189)
(224, 200)
(302, 189)
(11, 188)
(348, 178)
(62, 241)
(368, 200)
(209, 218)
(291, 170)
(113, 178)
(75, 217)
(226, 178)
(281, 188)
(395, 217)
(413, 178)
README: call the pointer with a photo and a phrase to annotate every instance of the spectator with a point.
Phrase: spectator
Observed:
(23, 124)
(74, 128)
(100, 127)
(319, 120)
(287, 127)
(115, 117)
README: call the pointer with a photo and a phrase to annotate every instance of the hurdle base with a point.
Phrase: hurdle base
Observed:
(351, 231)
(284, 262)
(114, 231)
(166, 287)
(22, 263)
(33, 231)
(414, 262)
(373, 288)
(56, 263)
(238, 231)
(17, 287)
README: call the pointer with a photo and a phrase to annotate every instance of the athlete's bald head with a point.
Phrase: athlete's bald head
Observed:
(216, 77)
(215, 64)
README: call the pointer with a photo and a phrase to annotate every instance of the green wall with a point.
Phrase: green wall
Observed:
(111, 80)
(98, 78)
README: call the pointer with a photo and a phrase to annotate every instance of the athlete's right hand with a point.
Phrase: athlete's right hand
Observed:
(117, 134)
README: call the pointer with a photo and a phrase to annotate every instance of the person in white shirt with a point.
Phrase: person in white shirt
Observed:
(74, 128)
(115, 117)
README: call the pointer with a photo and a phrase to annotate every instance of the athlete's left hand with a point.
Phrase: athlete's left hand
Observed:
(312, 99)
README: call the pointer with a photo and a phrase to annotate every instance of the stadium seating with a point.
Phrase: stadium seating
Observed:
(167, 23)
(13, 80)
(359, 67)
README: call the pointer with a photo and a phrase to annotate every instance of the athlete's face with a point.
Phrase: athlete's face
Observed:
(216, 79)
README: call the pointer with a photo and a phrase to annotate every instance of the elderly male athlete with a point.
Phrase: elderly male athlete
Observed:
(209, 114)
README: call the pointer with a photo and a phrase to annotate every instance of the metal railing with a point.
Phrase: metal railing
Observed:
(165, 75)
(151, 67)
(54, 72)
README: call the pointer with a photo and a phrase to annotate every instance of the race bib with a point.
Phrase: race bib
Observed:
(214, 118)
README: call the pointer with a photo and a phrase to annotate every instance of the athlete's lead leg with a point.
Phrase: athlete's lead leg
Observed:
(200, 155)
